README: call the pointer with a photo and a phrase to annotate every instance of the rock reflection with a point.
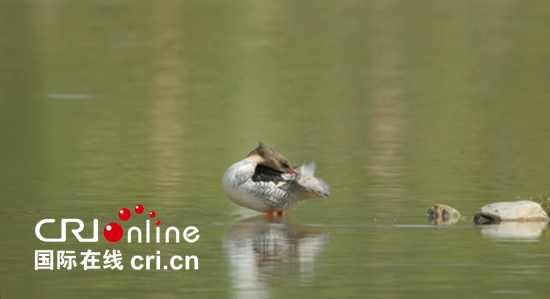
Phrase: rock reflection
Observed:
(514, 231)
(261, 251)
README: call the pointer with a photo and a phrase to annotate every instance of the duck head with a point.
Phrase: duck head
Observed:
(268, 157)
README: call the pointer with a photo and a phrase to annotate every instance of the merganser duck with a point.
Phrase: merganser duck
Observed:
(264, 181)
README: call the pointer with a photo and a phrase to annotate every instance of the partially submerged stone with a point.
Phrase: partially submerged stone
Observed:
(524, 210)
(443, 214)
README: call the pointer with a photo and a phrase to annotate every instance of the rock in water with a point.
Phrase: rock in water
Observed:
(443, 214)
(524, 210)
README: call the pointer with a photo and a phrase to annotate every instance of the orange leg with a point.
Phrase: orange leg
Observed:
(270, 213)
(280, 213)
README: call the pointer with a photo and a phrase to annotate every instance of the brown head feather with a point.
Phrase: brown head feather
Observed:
(267, 156)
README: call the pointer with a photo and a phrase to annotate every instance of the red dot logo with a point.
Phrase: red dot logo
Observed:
(152, 214)
(113, 232)
(124, 214)
(139, 209)
(158, 222)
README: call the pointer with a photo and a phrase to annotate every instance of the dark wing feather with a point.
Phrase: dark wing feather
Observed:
(265, 174)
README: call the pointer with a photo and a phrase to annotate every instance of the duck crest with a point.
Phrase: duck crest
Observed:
(262, 150)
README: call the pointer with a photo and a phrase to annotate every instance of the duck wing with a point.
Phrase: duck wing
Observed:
(265, 174)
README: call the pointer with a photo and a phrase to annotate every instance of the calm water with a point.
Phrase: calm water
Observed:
(402, 104)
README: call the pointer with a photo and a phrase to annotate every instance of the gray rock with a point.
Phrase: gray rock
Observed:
(524, 210)
(443, 214)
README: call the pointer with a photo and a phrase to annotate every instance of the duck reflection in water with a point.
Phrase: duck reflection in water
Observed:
(263, 250)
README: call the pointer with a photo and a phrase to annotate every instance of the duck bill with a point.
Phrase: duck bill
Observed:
(290, 170)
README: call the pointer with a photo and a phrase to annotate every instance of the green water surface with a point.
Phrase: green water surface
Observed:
(402, 104)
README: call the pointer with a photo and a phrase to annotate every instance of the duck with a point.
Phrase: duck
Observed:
(266, 182)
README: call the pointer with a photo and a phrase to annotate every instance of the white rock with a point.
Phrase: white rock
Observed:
(524, 210)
